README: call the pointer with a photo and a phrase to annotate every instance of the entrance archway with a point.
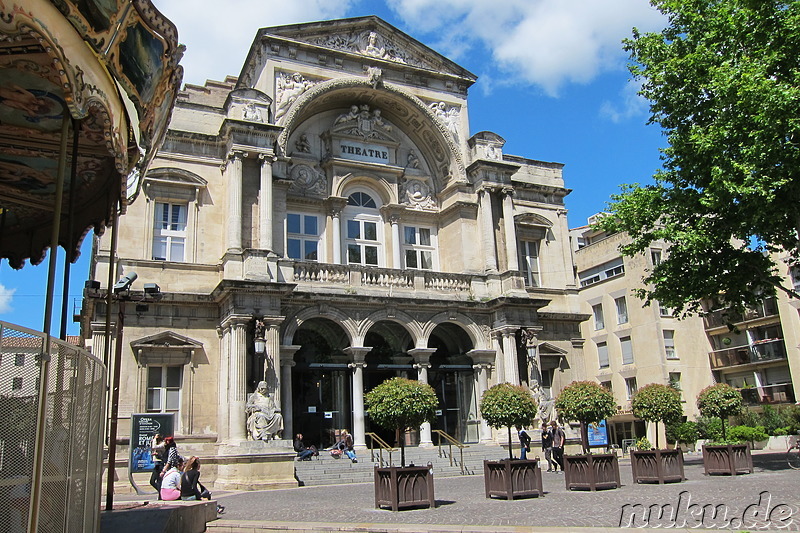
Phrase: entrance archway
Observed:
(388, 358)
(321, 382)
(452, 377)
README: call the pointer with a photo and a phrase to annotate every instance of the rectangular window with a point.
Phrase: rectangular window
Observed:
(169, 232)
(19, 359)
(164, 389)
(675, 381)
(599, 321)
(622, 310)
(669, 344)
(610, 269)
(418, 247)
(630, 387)
(666, 312)
(302, 237)
(602, 354)
(362, 245)
(655, 257)
(16, 384)
(529, 262)
(627, 350)
(795, 272)
(606, 385)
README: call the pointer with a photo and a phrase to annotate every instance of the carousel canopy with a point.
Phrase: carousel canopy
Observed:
(110, 68)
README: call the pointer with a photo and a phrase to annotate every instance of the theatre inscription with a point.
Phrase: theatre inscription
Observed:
(363, 152)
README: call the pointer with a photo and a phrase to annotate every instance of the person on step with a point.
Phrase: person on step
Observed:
(345, 444)
(304, 453)
(191, 488)
(171, 483)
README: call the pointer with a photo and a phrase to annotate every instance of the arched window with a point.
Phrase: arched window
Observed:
(363, 242)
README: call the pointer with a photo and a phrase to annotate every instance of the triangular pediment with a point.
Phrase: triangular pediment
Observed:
(545, 348)
(373, 39)
(166, 339)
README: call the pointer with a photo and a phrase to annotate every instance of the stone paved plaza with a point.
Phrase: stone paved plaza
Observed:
(461, 502)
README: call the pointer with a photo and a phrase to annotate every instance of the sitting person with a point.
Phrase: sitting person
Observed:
(304, 453)
(345, 444)
(191, 488)
(171, 482)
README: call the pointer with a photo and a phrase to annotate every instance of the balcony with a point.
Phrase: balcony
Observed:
(716, 319)
(768, 395)
(759, 352)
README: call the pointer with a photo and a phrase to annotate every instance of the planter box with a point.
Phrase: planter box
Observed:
(729, 459)
(657, 466)
(403, 487)
(511, 479)
(591, 471)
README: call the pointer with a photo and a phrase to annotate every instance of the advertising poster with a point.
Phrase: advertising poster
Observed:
(598, 436)
(143, 428)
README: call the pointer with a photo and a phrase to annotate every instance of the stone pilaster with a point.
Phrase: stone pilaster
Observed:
(512, 257)
(265, 203)
(487, 231)
(358, 354)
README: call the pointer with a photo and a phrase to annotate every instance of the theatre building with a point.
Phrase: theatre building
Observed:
(333, 193)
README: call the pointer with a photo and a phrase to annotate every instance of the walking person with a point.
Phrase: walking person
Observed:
(547, 448)
(559, 438)
(158, 452)
(524, 443)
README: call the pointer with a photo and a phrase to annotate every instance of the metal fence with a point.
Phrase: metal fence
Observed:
(52, 401)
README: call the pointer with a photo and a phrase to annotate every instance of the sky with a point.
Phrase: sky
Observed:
(552, 81)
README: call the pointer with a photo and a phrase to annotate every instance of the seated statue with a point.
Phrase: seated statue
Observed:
(264, 421)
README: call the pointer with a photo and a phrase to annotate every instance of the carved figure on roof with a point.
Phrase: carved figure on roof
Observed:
(251, 112)
(374, 76)
(417, 194)
(302, 144)
(346, 117)
(288, 90)
(373, 49)
(307, 181)
(369, 123)
(413, 160)
(449, 117)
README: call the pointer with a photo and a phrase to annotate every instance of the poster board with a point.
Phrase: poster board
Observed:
(597, 434)
(143, 427)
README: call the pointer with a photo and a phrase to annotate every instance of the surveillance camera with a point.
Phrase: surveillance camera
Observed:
(125, 282)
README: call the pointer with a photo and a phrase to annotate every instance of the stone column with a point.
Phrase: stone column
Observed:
(358, 354)
(499, 362)
(422, 357)
(512, 256)
(482, 378)
(396, 258)
(510, 354)
(234, 179)
(223, 413)
(337, 235)
(237, 376)
(265, 207)
(487, 231)
(287, 393)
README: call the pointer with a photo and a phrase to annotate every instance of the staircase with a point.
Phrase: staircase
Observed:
(325, 470)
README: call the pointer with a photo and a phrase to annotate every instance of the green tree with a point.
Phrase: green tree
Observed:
(586, 402)
(657, 403)
(720, 400)
(508, 405)
(722, 81)
(400, 403)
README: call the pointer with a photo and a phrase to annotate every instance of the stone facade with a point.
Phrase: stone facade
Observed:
(333, 191)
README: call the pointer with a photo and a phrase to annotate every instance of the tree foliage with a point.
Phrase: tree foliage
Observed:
(657, 403)
(506, 405)
(585, 401)
(723, 83)
(720, 400)
(400, 403)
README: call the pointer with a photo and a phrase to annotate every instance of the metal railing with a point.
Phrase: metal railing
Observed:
(382, 445)
(51, 433)
(768, 394)
(451, 441)
(758, 352)
(767, 307)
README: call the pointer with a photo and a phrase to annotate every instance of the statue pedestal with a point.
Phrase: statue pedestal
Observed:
(256, 465)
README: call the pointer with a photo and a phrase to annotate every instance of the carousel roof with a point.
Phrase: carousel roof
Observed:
(111, 66)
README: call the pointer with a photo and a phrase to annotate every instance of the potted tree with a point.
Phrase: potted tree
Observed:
(398, 404)
(722, 400)
(587, 402)
(507, 405)
(657, 403)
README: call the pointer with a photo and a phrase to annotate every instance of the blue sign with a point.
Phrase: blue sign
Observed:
(597, 434)
(143, 429)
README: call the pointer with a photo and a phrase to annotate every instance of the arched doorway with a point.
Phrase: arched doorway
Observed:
(451, 375)
(321, 382)
(388, 358)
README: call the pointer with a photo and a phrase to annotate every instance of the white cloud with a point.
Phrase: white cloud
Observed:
(218, 35)
(6, 295)
(630, 104)
(547, 43)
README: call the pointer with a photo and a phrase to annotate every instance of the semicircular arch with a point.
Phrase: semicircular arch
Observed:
(337, 316)
(472, 328)
(398, 106)
(403, 319)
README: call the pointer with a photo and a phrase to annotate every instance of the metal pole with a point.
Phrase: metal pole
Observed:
(70, 229)
(38, 452)
(112, 433)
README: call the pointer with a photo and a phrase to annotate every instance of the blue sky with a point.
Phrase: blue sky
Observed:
(552, 81)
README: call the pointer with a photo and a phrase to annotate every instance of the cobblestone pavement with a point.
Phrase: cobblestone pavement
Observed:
(461, 500)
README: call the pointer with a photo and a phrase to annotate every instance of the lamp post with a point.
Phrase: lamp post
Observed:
(260, 348)
(121, 293)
